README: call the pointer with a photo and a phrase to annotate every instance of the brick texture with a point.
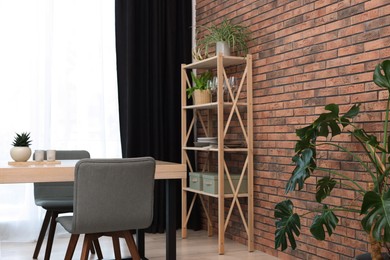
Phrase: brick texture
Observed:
(306, 53)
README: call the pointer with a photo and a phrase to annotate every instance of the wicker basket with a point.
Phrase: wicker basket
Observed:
(202, 97)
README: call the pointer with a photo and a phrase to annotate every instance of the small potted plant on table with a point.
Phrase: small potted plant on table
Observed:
(21, 151)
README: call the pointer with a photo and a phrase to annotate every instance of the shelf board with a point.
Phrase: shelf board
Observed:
(215, 149)
(211, 63)
(240, 195)
(214, 105)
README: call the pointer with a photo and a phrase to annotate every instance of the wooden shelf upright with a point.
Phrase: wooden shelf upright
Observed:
(219, 115)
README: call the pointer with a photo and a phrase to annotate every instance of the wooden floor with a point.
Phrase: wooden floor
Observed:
(197, 246)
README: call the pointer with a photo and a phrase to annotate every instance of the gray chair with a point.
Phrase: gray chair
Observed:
(55, 198)
(111, 198)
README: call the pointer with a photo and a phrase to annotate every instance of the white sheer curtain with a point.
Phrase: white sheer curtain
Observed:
(57, 81)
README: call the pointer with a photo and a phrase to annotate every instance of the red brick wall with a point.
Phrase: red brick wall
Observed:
(306, 54)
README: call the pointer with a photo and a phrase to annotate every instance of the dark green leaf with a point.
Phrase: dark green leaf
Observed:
(304, 132)
(304, 166)
(335, 128)
(324, 187)
(333, 108)
(382, 75)
(362, 136)
(287, 225)
(328, 122)
(352, 112)
(377, 211)
(327, 219)
(302, 145)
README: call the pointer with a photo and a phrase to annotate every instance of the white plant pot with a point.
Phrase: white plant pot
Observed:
(20, 153)
(223, 47)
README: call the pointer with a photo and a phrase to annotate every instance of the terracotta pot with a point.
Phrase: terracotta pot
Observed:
(20, 153)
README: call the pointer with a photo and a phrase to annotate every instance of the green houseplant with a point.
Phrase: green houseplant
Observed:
(21, 151)
(199, 89)
(226, 36)
(374, 202)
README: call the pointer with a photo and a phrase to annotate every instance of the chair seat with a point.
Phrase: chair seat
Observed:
(55, 204)
(66, 222)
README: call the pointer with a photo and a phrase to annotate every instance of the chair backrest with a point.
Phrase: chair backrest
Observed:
(59, 190)
(113, 194)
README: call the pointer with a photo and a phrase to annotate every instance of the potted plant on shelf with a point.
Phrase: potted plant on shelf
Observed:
(227, 36)
(200, 90)
(21, 151)
(374, 200)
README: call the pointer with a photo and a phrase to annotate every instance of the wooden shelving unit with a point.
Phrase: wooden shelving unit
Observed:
(219, 115)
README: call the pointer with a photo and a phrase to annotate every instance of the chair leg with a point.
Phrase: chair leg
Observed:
(92, 249)
(96, 244)
(117, 248)
(42, 234)
(131, 245)
(71, 246)
(86, 247)
(52, 230)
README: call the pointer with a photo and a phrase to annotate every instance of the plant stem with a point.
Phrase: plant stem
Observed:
(353, 155)
(385, 131)
(332, 209)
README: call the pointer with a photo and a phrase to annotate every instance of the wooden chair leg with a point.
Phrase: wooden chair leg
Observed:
(71, 246)
(52, 230)
(93, 249)
(97, 248)
(131, 245)
(86, 247)
(42, 234)
(117, 248)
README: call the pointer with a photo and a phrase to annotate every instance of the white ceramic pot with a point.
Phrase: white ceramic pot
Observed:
(20, 153)
(224, 48)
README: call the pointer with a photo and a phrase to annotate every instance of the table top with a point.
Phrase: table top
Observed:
(64, 171)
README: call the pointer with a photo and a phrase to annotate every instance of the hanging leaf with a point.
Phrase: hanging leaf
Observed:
(362, 136)
(324, 187)
(287, 225)
(352, 112)
(382, 79)
(305, 133)
(304, 166)
(328, 219)
(377, 216)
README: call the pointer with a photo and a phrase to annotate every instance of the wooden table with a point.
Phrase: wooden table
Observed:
(31, 172)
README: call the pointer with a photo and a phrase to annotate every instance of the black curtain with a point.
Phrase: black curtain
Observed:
(153, 38)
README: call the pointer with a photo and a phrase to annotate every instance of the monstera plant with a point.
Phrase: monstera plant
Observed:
(374, 202)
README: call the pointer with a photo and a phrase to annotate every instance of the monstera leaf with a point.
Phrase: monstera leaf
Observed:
(327, 219)
(324, 187)
(287, 224)
(304, 166)
(328, 122)
(352, 112)
(363, 137)
(377, 210)
(382, 79)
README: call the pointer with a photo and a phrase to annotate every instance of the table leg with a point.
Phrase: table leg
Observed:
(140, 238)
(170, 220)
(170, 225)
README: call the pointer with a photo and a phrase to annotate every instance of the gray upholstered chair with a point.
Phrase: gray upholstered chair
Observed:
(111, 197)
(56, 198)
